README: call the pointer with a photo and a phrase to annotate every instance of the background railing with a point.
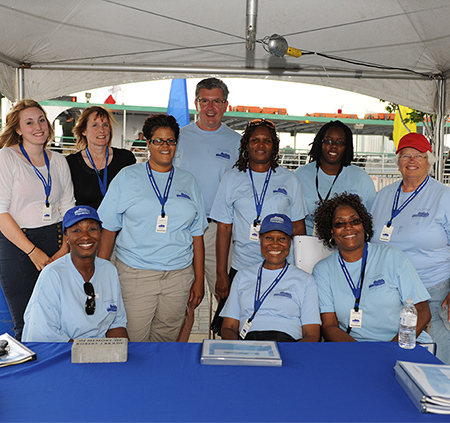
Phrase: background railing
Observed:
(380, 166)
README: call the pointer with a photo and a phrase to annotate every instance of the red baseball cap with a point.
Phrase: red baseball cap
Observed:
(414, 140)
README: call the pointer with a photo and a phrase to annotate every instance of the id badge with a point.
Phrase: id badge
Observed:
(386, 233)
(355, 318)
(161, 224)
(245, 328)
(254, 232)
(47, 213)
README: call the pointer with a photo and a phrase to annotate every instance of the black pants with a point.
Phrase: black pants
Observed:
(216, 324)
(18, 274)
(269, 335)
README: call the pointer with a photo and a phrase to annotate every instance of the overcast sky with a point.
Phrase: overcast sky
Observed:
(297, 98)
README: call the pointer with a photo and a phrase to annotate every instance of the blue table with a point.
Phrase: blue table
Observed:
(166, 382)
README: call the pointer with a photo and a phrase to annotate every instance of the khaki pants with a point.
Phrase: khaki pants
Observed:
(155, 301)
(209, 238)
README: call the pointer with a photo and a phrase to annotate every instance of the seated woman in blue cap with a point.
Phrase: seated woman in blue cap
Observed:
(78, 295)
(273, 301)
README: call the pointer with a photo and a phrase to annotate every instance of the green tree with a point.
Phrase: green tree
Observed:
(416, 116)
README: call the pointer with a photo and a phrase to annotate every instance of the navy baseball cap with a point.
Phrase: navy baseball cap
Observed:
(276, 222)
(78, 213)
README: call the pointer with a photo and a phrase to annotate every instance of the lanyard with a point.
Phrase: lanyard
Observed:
(47, 184)
(317, 184)
(259, 200)
(395, 209)
(103, 184)
(355, 289)
(162, 200)
(260, 299)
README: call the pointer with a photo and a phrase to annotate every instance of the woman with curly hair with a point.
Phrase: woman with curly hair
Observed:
(363, 286)
(330, 170)
(255, 187)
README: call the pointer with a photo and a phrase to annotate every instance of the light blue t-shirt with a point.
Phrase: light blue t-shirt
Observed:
(208, 155)
(352, 179)
(390, 279)
(235, 203)
(131, 206)
(421, 230)
(292, 304)
(56, 310)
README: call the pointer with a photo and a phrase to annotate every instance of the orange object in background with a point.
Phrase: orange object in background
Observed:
(346, 116)
(247, 109)
(255, 109)
(274, 111)
(380, 116)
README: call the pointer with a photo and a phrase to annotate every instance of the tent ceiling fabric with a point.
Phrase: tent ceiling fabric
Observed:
(69, 46)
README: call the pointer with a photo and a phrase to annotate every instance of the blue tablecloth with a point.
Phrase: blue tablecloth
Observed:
(166, 382)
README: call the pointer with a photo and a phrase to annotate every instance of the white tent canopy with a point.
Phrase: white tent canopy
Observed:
(68, 46)
(397, 50)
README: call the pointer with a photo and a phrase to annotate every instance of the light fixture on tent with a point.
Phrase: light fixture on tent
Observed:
(278, 46)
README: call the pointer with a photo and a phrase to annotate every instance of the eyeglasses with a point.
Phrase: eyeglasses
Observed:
(171, 142)
(334, 142)
(408, 157)
(90, 301)
(205, 102)
(353, 222)
(257, 122)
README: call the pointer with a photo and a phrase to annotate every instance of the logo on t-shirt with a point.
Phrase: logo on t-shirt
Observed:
(112, 308)
(283, 294)
(421, 214)
(223, 155)
(280, 191)
(183, 195)
(378, 282)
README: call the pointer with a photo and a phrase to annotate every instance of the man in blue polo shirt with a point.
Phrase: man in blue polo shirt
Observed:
(207, 149)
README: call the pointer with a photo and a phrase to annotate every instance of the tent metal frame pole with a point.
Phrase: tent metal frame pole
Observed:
(124, 128)
(20, 76)
(250, 29)
(185, 72)
(439, 131)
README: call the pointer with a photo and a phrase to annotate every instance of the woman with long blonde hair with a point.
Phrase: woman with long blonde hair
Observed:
(35, 192)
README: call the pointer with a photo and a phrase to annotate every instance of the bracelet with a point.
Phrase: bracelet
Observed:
(31, 250)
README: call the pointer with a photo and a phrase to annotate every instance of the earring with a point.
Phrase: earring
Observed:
(244, 155)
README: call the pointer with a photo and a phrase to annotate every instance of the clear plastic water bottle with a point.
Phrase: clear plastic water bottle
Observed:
(408, 324)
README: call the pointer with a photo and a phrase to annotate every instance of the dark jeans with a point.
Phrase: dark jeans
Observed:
(18, 274)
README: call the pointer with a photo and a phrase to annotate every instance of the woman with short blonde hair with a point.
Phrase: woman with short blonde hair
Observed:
(97, 163)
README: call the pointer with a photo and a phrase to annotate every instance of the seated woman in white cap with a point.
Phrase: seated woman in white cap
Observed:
(273, 301)
(78, 295)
